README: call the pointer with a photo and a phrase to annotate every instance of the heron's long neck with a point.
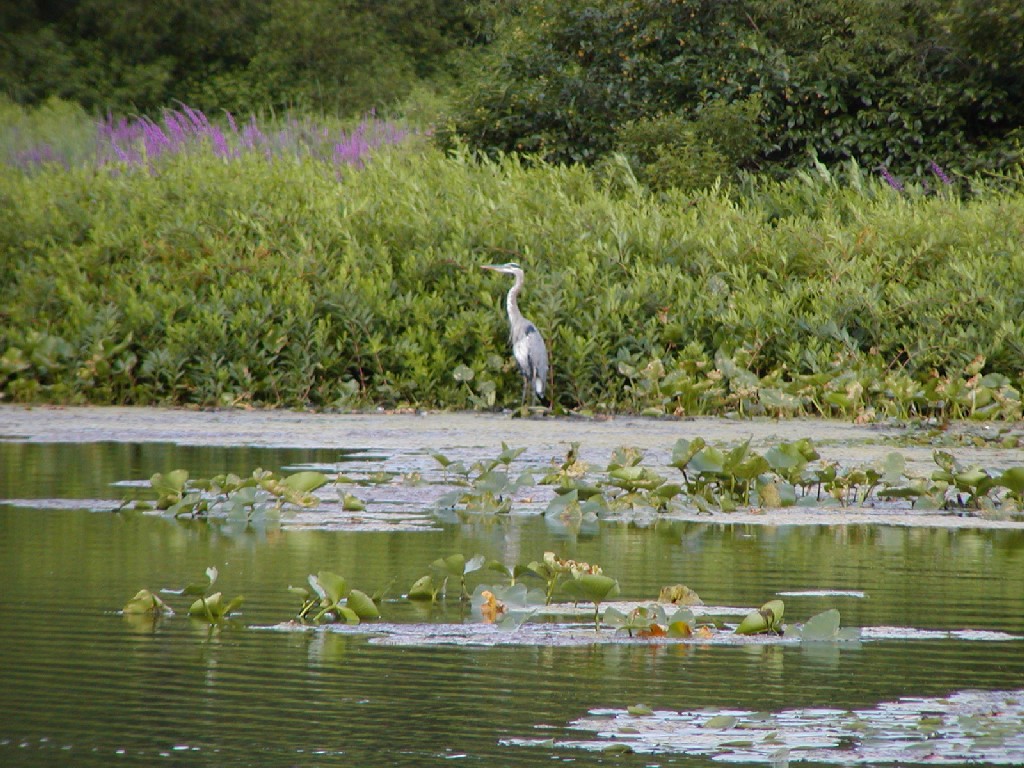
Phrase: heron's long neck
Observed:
(512, 303)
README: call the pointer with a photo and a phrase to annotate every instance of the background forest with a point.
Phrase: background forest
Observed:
(752, 207)
(690, 90)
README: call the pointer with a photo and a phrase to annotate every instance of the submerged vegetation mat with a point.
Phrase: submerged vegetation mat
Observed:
(975, 727)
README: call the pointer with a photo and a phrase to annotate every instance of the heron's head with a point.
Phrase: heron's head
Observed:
(511, 268)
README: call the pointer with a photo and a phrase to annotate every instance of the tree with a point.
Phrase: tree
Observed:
(890, 82)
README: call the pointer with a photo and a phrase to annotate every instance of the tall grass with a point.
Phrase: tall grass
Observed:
(272, 280)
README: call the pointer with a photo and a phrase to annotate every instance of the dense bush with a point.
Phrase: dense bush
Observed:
(338, 56)
(289, 280)
(899, 83)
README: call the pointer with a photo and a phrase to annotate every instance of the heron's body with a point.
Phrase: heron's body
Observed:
(527, 344)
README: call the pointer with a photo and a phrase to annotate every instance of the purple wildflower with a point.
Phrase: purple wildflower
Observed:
(891, 180)
(142, 142)
(219, 142)
(937, 170)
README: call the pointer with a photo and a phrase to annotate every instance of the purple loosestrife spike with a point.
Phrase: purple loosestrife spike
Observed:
(220, 143)
(154, 139)
(176, 132)
(937, 170)
(197, 118)
(891, 180)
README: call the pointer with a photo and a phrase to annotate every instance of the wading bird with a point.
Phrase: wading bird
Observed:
(527, 344)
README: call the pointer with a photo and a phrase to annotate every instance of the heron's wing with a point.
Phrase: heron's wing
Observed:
(532, 355)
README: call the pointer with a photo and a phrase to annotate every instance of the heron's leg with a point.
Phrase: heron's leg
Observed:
(526, 387)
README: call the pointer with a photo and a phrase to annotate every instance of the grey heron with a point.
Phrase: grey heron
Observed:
(527, 344)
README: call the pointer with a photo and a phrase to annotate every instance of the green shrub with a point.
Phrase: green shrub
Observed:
(281, 282)
(897, 83)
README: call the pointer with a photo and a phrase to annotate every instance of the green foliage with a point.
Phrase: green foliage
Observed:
(726, 478)
(147, 603)
(126, 55)
(229, 496)
(897, 82)
(490, 490)
(329, 599)
(272, 283)
(674, 151)
(766, 619)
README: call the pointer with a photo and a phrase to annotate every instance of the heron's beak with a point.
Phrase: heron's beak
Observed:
(492, 267)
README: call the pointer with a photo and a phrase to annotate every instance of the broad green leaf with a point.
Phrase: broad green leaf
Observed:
(348, 615)
(736, 455)
(597, 587)
(777, 399)
(146, 602)
(595, 505)
(352, 503)
(453, 565)
(171, 484)
(208, 608)
(751, 468)
(893, 468)
(305, 482)
(440, 458)
(1013, 479)
(333, 586)
(499, 567)
(494, 481)
(684, 450)
(768, 618)
(680, 628)
(423, 589)
(561, 503)
(362, 605)
(613, 617)
(753, 623)
(821, 627)
(708, 459)
(234, 604)
(508, 455)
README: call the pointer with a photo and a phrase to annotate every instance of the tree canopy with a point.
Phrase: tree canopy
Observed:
(689, 91)
(901, 83)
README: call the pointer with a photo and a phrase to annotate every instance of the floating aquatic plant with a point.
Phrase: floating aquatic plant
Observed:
(329, 598)
(146, 602)
(210, 607)
(487, 487)
(766, 619)
(232, 496)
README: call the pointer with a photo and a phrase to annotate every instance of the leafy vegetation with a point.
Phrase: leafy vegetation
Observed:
(270, 281)
(693, 91)
(232, 497)
(340, 56)
(211, 608)
(727, 478)
(329, 598)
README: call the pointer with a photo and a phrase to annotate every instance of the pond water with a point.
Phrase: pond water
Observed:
(85, 685)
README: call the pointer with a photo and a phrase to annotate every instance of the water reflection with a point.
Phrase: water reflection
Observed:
(86, 686)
